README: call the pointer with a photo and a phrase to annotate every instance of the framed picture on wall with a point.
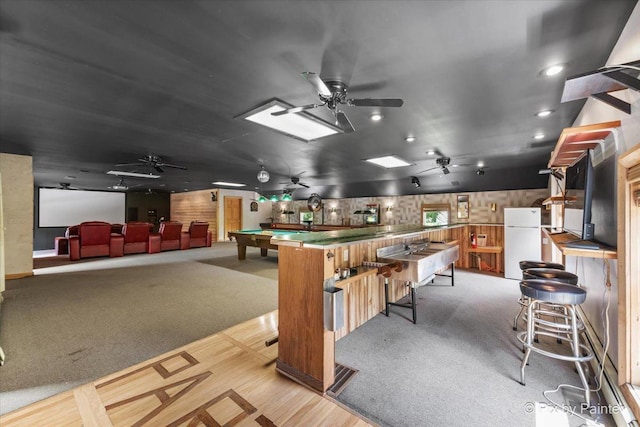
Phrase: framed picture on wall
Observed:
(463, 206)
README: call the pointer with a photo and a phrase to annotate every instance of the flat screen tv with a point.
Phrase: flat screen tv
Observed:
(593, 215)
(579, 185)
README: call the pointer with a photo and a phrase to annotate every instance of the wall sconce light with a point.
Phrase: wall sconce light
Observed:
(389, 208)
(493, 207)
(415, 181)
(213, 196)
(333, 210)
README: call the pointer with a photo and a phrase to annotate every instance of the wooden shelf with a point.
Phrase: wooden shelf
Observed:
(560, 240)
(574, 142)
(559, 200)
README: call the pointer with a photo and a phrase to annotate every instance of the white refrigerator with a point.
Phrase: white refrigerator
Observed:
(522, 239)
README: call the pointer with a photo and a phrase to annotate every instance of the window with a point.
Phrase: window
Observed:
(433, 215)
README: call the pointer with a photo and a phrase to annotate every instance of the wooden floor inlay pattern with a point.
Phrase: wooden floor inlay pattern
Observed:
(226, 379)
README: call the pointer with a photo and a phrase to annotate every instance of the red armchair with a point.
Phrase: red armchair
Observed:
(198, 236)
(136, 237)
(167, 238)
(95, 239)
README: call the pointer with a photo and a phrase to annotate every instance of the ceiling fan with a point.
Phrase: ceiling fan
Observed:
(153, 161)
(443, 163)
(334, 93)
(295, 180)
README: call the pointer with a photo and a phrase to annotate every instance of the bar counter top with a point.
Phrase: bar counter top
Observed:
(334, 238)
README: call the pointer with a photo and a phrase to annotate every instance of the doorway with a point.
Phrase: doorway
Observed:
(232, 214)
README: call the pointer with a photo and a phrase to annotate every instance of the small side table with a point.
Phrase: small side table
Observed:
(61, 245)
(496, 250)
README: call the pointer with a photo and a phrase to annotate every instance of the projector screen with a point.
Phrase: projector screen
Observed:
(62, 208)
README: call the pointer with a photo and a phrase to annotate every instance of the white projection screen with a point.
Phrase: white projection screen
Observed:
(62, 208)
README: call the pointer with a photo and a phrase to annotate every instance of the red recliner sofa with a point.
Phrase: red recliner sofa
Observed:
(136, 237)
(95, 239)
(167, 238)
(198, 236)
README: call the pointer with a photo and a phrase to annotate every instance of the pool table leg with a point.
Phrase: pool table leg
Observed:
(263, 251)
(242, 251)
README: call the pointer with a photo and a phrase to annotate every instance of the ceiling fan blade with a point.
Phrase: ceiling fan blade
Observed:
(371, 102)
(158, 168)
(296, 109)
(130, 164)
(317, 83)
(171, 166)
(344, 122)
(304, 185)
(427, 170)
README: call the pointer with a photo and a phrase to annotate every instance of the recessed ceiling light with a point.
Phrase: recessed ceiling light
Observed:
(410, 139)
(388, 162)
(454, 166)
(544, 113)
(480, 164)
(552, 70)
(300, 125)
(538, 136)
(69, 177)
(376, 117)
(431, 152)
(229, 184)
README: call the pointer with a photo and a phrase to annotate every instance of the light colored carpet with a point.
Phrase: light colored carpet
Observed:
(61, 329)
(459, 365)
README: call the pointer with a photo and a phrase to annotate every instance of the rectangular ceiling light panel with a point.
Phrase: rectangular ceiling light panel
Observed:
(389, 162)
(301, 125)
(229, 184)
(133, 174)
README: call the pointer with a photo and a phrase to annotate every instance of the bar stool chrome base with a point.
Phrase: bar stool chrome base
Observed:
(564, 326)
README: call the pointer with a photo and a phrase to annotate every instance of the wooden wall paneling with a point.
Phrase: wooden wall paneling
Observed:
(195, 206)
(305, 348)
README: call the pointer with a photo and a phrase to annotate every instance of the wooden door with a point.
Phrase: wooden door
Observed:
(232, 214)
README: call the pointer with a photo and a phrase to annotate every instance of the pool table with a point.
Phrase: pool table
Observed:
(256, 238)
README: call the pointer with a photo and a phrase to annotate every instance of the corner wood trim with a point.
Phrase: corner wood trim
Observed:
(18, 275)
(299, 377)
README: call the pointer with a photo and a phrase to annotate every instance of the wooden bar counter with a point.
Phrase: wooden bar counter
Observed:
(306, 267)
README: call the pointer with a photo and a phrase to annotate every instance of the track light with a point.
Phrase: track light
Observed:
(415, 181)
(480, 171)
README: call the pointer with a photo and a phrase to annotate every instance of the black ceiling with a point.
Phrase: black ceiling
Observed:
(85, 85)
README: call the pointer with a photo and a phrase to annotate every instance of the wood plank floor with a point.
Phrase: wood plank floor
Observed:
(223, 380)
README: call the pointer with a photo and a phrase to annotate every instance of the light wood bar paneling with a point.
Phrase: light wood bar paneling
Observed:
(223, 379)
(195, 206)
